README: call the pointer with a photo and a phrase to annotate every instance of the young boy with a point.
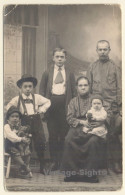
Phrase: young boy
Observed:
(31, 105)
(97, 113)
(13, 142)
(57, 84)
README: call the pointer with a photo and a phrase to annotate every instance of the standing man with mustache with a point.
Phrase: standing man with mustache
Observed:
(105, 79)
(105, 76)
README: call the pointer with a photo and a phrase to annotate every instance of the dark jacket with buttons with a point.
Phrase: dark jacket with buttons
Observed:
(105, 78)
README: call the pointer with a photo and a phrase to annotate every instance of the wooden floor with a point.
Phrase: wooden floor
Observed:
(55, 182)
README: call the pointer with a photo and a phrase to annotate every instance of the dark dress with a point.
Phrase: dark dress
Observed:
(82, 151)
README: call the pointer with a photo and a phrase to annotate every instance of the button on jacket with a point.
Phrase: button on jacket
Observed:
(105, 78)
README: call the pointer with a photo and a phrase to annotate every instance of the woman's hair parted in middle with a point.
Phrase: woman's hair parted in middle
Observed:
(80, 78)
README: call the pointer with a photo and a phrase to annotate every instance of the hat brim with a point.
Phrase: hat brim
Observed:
(28, 79)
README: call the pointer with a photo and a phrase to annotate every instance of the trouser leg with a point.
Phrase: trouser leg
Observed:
(57, 127)
(18, 160)
(115, 148)
(39, 150)
(38, 136)
(62, 135)
(53, 139)
(27, 161)
(23, 166)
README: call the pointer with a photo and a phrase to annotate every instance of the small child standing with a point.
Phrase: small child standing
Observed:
(97, 113)
(13, 142)
(31, 106)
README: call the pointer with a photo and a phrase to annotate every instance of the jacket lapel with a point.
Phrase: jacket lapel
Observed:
(51, 73)
(67, 77)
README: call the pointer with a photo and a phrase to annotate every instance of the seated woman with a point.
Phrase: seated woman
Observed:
(82, 151)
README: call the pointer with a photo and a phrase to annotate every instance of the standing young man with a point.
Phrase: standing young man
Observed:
(58, 85)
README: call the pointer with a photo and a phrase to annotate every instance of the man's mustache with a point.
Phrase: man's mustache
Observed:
(103, 56)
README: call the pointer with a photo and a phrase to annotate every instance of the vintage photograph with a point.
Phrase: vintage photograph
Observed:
(62, 97)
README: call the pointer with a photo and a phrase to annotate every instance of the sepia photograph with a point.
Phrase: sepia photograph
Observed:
(62, 95)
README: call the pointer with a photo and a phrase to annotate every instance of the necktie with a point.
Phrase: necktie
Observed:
(28, 101)
(14, 127)
(59, 77)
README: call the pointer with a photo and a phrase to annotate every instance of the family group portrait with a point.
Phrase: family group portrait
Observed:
(62, 97)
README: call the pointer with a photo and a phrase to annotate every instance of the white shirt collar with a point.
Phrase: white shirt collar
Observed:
(26, 97)
(56, 67)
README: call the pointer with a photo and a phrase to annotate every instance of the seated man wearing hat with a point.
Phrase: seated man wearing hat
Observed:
(31, 105)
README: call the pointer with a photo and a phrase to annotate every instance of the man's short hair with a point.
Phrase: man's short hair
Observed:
(59, 49)
(80, 78)
(103, 41)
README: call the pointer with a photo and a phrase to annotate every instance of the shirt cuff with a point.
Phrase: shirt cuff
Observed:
(42, 110)
(20, 139)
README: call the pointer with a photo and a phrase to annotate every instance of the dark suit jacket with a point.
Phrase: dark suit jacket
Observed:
(47, 81)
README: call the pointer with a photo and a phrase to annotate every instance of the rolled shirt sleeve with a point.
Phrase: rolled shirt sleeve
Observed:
(43, 103)
(11, 135)
(13, 102)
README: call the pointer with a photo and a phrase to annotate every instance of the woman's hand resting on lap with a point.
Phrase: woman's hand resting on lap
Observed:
(85, 123)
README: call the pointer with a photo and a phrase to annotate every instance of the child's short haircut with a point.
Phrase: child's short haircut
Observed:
(59, 49)
(97, 96)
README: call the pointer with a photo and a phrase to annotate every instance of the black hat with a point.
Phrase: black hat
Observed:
(12, 110)
(27, 78)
